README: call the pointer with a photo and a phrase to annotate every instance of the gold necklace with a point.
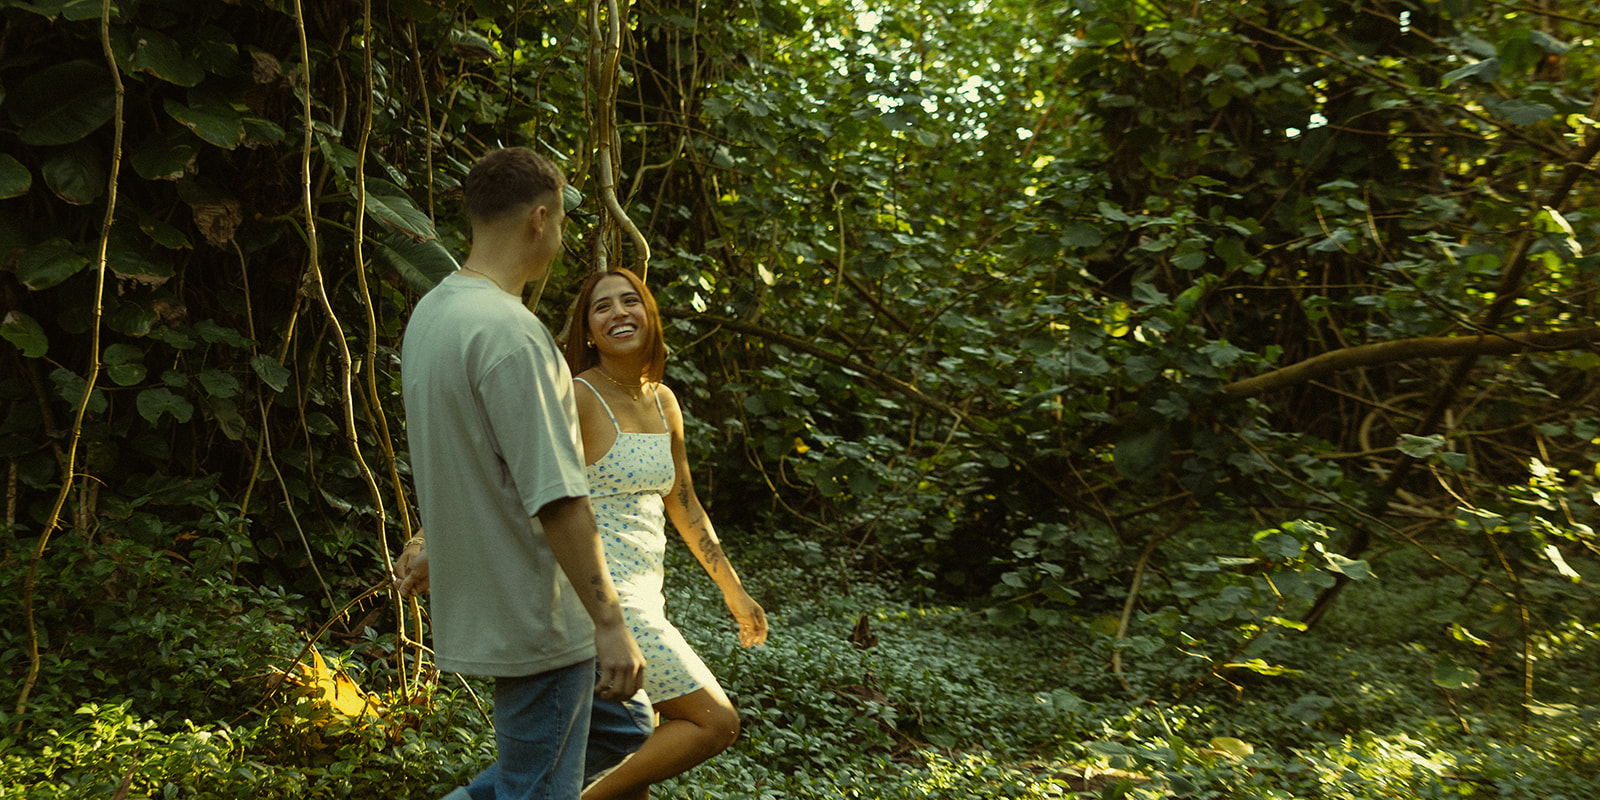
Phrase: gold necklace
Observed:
(632, 391)
(490, 277)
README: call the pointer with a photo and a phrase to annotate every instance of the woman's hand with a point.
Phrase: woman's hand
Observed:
(750, 616)
(411, 570)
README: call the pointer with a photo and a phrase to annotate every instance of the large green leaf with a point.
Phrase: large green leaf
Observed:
(219, 384)
(470, 45)
(273, 374)
(133, 319)
(70, 386)
(134, 262)
(49, 263)
(159, 55)
(421, 264)
(72, 10)
(15, 179)
(1354, 569)
(1522, 112)
(26, 333)
(153, 403)
(217, 124)
(390, 204)
(1487, 70)
(75, 175)
(262, 131)
(341, 158)
(163, 157)
(124, 364)
(1450, 674)
(63, 103)
(164, 234)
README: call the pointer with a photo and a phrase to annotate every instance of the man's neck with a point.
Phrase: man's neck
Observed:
(499, 281)
(498, 265)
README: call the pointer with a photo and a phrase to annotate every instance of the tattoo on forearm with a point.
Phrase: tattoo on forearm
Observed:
(711, 552)
(683, 500)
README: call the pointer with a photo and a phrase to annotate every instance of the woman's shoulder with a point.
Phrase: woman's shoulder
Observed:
(669, 401)
(586, 394)
(669, 405)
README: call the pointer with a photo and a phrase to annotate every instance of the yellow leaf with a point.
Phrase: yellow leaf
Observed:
(1232, 747)
(341, 694)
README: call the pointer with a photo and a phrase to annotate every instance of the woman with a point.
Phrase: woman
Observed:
(638, 474)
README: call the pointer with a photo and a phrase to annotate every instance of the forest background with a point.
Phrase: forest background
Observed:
(1138, 397)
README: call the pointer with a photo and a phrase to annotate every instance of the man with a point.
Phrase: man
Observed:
(519, 586)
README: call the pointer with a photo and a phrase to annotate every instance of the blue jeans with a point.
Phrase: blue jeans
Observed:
(616, 730)
(552, 733)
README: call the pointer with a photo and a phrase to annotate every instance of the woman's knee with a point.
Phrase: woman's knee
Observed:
(711, 713)
(725, 722)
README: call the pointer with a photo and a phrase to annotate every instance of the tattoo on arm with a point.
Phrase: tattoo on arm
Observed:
(711, 552)
(683, 499)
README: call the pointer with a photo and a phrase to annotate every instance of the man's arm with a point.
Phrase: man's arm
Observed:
(569, 527)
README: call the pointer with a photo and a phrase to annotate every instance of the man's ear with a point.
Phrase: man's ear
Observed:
(536, 219)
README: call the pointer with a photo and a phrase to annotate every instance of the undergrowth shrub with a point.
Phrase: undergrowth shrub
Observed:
(859, 693)
(139, 620)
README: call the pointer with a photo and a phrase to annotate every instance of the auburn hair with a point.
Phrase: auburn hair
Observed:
(582, 355)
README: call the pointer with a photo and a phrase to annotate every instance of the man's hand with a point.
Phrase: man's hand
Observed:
(621, 664)
(411, 571)
(569, 528)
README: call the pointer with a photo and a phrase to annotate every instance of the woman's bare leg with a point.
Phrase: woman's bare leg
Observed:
(693, 728)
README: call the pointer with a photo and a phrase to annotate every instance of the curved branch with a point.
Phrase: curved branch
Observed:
(605, 77)
(1370, 355)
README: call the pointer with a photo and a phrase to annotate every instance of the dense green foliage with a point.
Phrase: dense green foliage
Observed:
(1235, 361)
(941, 704)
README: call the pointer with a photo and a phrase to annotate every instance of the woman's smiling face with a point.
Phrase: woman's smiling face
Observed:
(618, 323)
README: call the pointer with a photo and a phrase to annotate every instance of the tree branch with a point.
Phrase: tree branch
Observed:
(1370, 355)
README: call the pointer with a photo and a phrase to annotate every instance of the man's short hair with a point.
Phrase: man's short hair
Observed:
(507, 179)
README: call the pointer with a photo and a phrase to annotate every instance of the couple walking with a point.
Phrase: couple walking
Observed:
(544, 480)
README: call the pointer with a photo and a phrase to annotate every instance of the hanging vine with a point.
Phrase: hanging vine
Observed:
(605, 52)
(69, 466)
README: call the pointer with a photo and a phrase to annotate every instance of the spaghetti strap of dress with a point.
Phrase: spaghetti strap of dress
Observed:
(664, 425)
(606, 405)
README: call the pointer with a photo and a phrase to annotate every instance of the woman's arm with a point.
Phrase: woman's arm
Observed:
(694, 526)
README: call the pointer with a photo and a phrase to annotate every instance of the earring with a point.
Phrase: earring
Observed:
(590, 343)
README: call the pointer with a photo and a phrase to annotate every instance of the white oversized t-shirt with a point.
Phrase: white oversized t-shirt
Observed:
(493, 433)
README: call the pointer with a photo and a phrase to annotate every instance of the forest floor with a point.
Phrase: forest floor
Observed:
(860, 692)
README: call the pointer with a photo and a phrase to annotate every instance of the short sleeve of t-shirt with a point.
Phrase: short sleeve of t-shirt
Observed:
(524, 401)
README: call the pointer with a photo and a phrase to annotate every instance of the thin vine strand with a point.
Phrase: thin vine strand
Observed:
(315, 276)
(69, 465)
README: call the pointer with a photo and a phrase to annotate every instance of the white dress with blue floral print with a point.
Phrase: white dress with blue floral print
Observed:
(625, 488)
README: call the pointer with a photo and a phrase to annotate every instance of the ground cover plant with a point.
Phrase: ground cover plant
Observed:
(1199, 395)
(916, 701)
